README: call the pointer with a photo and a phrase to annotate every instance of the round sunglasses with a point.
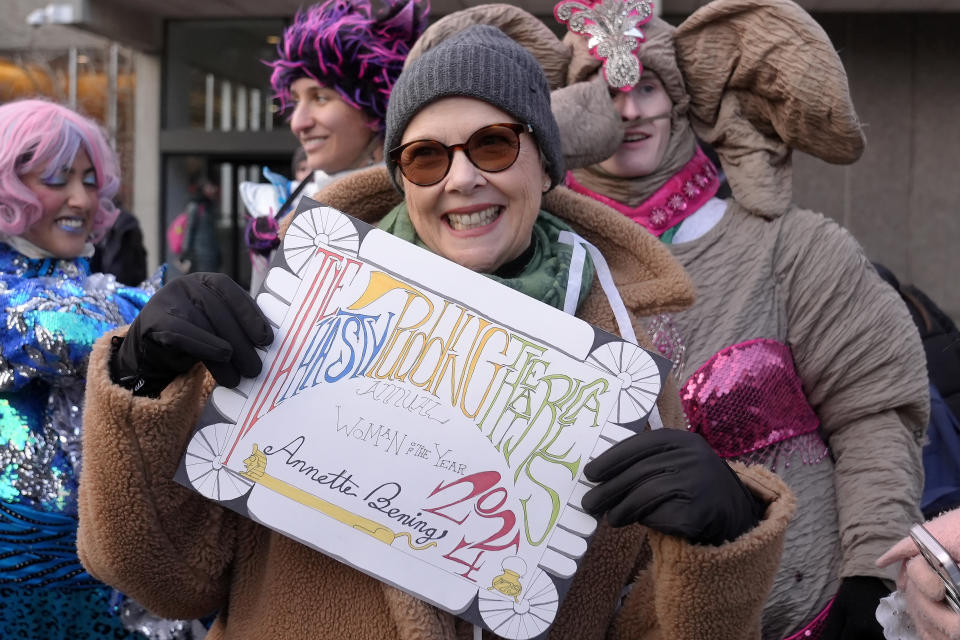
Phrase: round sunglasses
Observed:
(492, 148)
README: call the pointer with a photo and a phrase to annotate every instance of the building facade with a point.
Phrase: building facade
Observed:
(199, 104)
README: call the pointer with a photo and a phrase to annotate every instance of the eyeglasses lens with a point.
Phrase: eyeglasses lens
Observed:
(424, 162)
(493, 148)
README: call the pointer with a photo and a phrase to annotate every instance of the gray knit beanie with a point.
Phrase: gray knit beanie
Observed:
(484, 63)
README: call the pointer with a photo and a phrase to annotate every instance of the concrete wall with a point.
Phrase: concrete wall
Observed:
(146, 175)
(902, 199)
(15, 33)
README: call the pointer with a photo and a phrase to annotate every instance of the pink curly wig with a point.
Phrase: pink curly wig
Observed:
(344, 45)
(38, 135)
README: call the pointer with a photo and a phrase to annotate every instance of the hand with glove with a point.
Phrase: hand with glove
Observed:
(673, 482)
(854, 610)
(201, 317)
(922, 588)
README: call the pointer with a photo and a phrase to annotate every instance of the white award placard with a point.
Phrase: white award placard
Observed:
(421, 423)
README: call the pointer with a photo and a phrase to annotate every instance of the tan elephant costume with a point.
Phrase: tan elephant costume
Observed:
(795, 354)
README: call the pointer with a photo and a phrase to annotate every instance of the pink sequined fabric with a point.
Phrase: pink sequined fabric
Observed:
(747, 398)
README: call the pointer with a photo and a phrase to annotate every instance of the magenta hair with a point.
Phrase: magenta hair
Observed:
(346, 46)
(38, 135)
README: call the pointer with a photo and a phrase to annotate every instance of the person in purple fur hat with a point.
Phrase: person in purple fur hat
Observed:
(336, 64)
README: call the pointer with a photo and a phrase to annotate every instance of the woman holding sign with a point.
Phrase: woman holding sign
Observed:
(473, 146)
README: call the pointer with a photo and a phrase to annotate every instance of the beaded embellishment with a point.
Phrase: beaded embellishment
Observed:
(613, 27)
(666, 338)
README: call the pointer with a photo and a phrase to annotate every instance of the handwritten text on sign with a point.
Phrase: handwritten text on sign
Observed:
(408, 429)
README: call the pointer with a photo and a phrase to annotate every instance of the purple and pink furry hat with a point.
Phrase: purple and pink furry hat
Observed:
(349, 47)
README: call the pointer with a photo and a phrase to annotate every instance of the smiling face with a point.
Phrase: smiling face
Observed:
(478, 219)
(334, 134)
(69, 201)
(644, 143)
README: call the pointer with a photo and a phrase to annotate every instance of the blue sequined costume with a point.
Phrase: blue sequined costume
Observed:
(53, 311)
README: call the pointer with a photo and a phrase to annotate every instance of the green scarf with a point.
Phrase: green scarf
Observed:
(545, 275)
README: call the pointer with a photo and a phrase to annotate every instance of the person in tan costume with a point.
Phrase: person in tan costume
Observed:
(700, 569)
(795, 355)
(786, 298)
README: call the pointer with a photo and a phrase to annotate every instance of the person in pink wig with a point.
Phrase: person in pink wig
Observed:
(58, 177)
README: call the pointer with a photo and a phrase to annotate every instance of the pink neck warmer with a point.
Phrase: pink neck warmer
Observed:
(681, 195)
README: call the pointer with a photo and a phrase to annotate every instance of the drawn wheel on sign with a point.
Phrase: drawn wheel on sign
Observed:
(526, 616)
(316, 227)
(205, 468)
(639, 374)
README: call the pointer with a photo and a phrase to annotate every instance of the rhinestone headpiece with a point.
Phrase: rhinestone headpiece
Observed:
(613, 28)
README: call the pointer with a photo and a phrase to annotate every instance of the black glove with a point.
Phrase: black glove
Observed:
(671, 481)
(854, 611)
(201, 317)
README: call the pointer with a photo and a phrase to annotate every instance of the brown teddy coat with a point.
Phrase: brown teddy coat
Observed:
(184, 556)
